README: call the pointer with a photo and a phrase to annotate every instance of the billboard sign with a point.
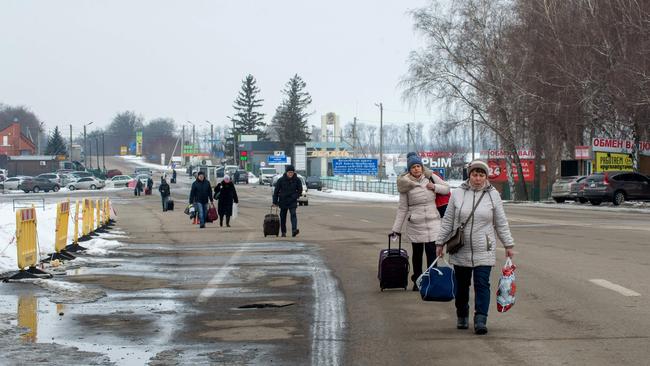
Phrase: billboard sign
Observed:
(499, 174)
(355, 166)
(124, 150)
(612, 161)
(300, 157)
(277, 160)
(138, 143)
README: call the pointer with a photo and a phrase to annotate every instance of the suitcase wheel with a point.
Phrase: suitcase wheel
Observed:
(382, 289)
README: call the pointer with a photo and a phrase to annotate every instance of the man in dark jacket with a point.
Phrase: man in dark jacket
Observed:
(138, 187)
(149, 184)
(174, 176)
(200, 193)
(164, 193)
(287, 191)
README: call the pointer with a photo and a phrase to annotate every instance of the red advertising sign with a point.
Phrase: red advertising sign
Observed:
(435, 154)
(501, 154)
(582, 152)
(499, 174)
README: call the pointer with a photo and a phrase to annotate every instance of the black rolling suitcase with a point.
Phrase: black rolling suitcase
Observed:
(393, 269)
(272, 223)
(170, 204)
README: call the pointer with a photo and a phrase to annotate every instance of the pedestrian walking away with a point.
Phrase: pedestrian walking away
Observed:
(418, 210)
(287, 191)
(479, 204)
(200, 194)
(165, 193)
(173, 176)
(138, 187)
(226, 195)
(149, 185)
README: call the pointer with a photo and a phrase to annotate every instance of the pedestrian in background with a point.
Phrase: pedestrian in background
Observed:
(200, 194)
(417, 208)
(173, 176)
(165, 192)
(475, 259)
(138, 187)
(226, 196)
(149, 185)
(287, 191)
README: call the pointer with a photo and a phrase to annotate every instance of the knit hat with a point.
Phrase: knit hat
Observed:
(226, 178)
(412, 153)
(289, 168)
(413, 160)
(478, 164)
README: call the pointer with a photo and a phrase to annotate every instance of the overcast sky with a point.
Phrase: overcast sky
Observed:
(80, 61)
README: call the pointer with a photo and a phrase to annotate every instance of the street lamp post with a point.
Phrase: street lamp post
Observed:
(193, 136)
(97, 152)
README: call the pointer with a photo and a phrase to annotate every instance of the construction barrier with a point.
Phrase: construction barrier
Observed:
(62, 223)
(26, 237)
(91, 219)
(75, 237)
(85, 214)
(98, 213)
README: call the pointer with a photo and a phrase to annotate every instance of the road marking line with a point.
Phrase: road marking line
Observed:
(614, 287)
(328, 322)
(364, 220)
(210, 289)
(337, 215)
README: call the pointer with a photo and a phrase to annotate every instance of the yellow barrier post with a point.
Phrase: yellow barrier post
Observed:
(85, 217)
(98, 213)
(61, 232)
(26, 245)
(75, 247)
(91, 219)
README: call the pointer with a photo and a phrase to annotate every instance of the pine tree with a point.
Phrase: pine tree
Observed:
(290, 120)
(248, 121)
(55, 144)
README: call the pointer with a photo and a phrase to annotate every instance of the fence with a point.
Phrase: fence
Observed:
(359, 185)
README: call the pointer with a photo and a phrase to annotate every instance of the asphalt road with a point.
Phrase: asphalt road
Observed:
(582, 289)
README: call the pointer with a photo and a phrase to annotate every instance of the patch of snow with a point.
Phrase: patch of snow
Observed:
(62, 292)
(138, 160)
(633, 207)
(355, 196)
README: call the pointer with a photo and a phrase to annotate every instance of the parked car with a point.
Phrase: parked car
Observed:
(146, 171)
(120, 181)
(266, 175)
(37, 184)
(617, 187)
(12, 184)
(113, 172)
(242, 177)
(314, 182)
(87, 183)
(302, 200)
(53, 177)
(566, 188)
(80, 174)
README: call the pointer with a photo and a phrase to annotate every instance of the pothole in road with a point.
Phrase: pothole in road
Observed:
(269, 304)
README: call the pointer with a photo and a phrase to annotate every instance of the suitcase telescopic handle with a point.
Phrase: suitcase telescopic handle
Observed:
(274, 208)
(399, 235)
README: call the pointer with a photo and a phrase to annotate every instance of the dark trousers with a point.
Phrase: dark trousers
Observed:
(283, 219)
(202, 211)
(221, 220)
(464, 276)
(418, 252)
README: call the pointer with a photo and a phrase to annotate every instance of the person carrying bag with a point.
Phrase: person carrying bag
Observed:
(437, 283)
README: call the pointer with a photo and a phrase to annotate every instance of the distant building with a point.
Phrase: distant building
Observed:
(15, 142)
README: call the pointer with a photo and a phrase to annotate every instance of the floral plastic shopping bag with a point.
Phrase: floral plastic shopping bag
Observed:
(507, 287)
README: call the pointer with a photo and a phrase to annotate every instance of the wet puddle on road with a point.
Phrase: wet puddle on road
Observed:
(252, 303)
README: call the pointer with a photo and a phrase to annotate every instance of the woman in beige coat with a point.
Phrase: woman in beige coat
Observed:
(417, 207)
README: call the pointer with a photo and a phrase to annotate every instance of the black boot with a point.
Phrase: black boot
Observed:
(295, 232)
(228, 221)
(480, 324)
(462, 323)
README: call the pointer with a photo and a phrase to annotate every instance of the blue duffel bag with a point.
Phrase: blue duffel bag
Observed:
(437, 283)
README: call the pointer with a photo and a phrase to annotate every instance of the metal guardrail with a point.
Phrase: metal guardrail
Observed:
(28, 203)
(359, 185)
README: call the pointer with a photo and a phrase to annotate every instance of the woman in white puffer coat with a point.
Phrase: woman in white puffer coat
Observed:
(417, 207)
(476, 257)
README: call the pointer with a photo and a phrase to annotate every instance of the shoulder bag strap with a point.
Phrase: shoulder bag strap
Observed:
(474, 209)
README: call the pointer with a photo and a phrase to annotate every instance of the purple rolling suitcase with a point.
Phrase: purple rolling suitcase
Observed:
(393, 267)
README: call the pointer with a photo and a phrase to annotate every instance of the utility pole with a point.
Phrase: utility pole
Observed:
(194, 136)
(381, 140)
(211, 137)
(354, 137)
(90, 154)
(183, 146)
(103, 153)
(97, 152)
(473, 150)
(70, 148)
(234, 144)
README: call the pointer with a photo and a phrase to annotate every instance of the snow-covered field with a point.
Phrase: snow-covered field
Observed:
(138, 160)
(46, 224)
